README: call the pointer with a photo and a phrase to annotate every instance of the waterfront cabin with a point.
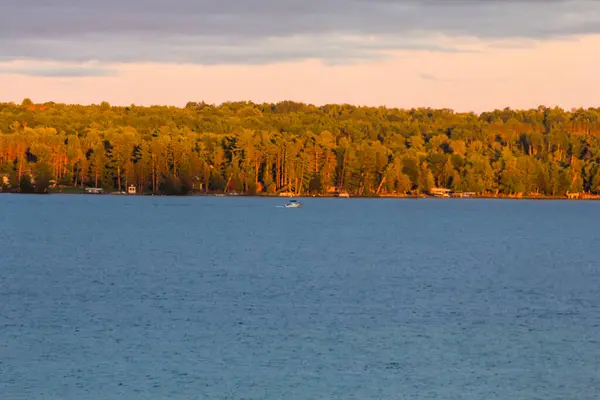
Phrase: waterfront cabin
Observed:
(131, 189)
(94, 190)
(440, 192)
(463, 194)
(573, 196)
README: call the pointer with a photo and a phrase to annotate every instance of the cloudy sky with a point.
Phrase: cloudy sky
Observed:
(469, 55)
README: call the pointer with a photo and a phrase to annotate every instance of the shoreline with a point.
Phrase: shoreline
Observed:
(397, 197)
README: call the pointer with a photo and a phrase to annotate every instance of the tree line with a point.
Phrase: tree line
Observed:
(250, 148)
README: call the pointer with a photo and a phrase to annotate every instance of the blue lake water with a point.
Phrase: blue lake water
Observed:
(108, 297)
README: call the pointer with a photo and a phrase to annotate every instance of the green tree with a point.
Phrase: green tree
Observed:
(289, 146)
(43, 176)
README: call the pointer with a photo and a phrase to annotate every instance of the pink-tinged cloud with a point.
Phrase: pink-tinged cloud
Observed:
(483, 76)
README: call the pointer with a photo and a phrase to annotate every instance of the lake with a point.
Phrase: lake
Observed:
(116, 297)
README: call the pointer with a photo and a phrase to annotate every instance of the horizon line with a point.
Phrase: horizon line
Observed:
(256, 103)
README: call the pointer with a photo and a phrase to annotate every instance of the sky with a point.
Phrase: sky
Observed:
(467, 55)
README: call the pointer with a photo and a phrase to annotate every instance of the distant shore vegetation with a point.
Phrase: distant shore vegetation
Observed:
(298, 149)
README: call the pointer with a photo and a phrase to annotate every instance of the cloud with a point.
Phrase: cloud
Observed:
(332, 48)
(55, 70)
(264, 31)
(431, 77)
(461, 79)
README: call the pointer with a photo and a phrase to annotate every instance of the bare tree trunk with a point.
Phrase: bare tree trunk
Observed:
(278, 170)
(380, 185)
(256, 169)
(19, 171)
(153, 175)
(119, 178)
(284, 176)
(343, 169)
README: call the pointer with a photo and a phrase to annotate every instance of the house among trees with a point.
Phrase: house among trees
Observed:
(439, 192)
(131, 189)
(464, 194)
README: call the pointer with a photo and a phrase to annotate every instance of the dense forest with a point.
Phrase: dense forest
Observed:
(242, 147)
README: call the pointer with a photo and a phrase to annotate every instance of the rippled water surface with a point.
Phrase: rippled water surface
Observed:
(108, 297)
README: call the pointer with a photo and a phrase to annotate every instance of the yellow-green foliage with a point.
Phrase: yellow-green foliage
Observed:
(247, 147)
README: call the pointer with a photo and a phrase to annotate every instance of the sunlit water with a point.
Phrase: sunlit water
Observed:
(108, 297)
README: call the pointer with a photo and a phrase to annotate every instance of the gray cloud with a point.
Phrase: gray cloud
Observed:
(260, 31)
(58, 72)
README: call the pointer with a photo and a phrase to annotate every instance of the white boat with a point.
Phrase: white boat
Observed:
(293, 204)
